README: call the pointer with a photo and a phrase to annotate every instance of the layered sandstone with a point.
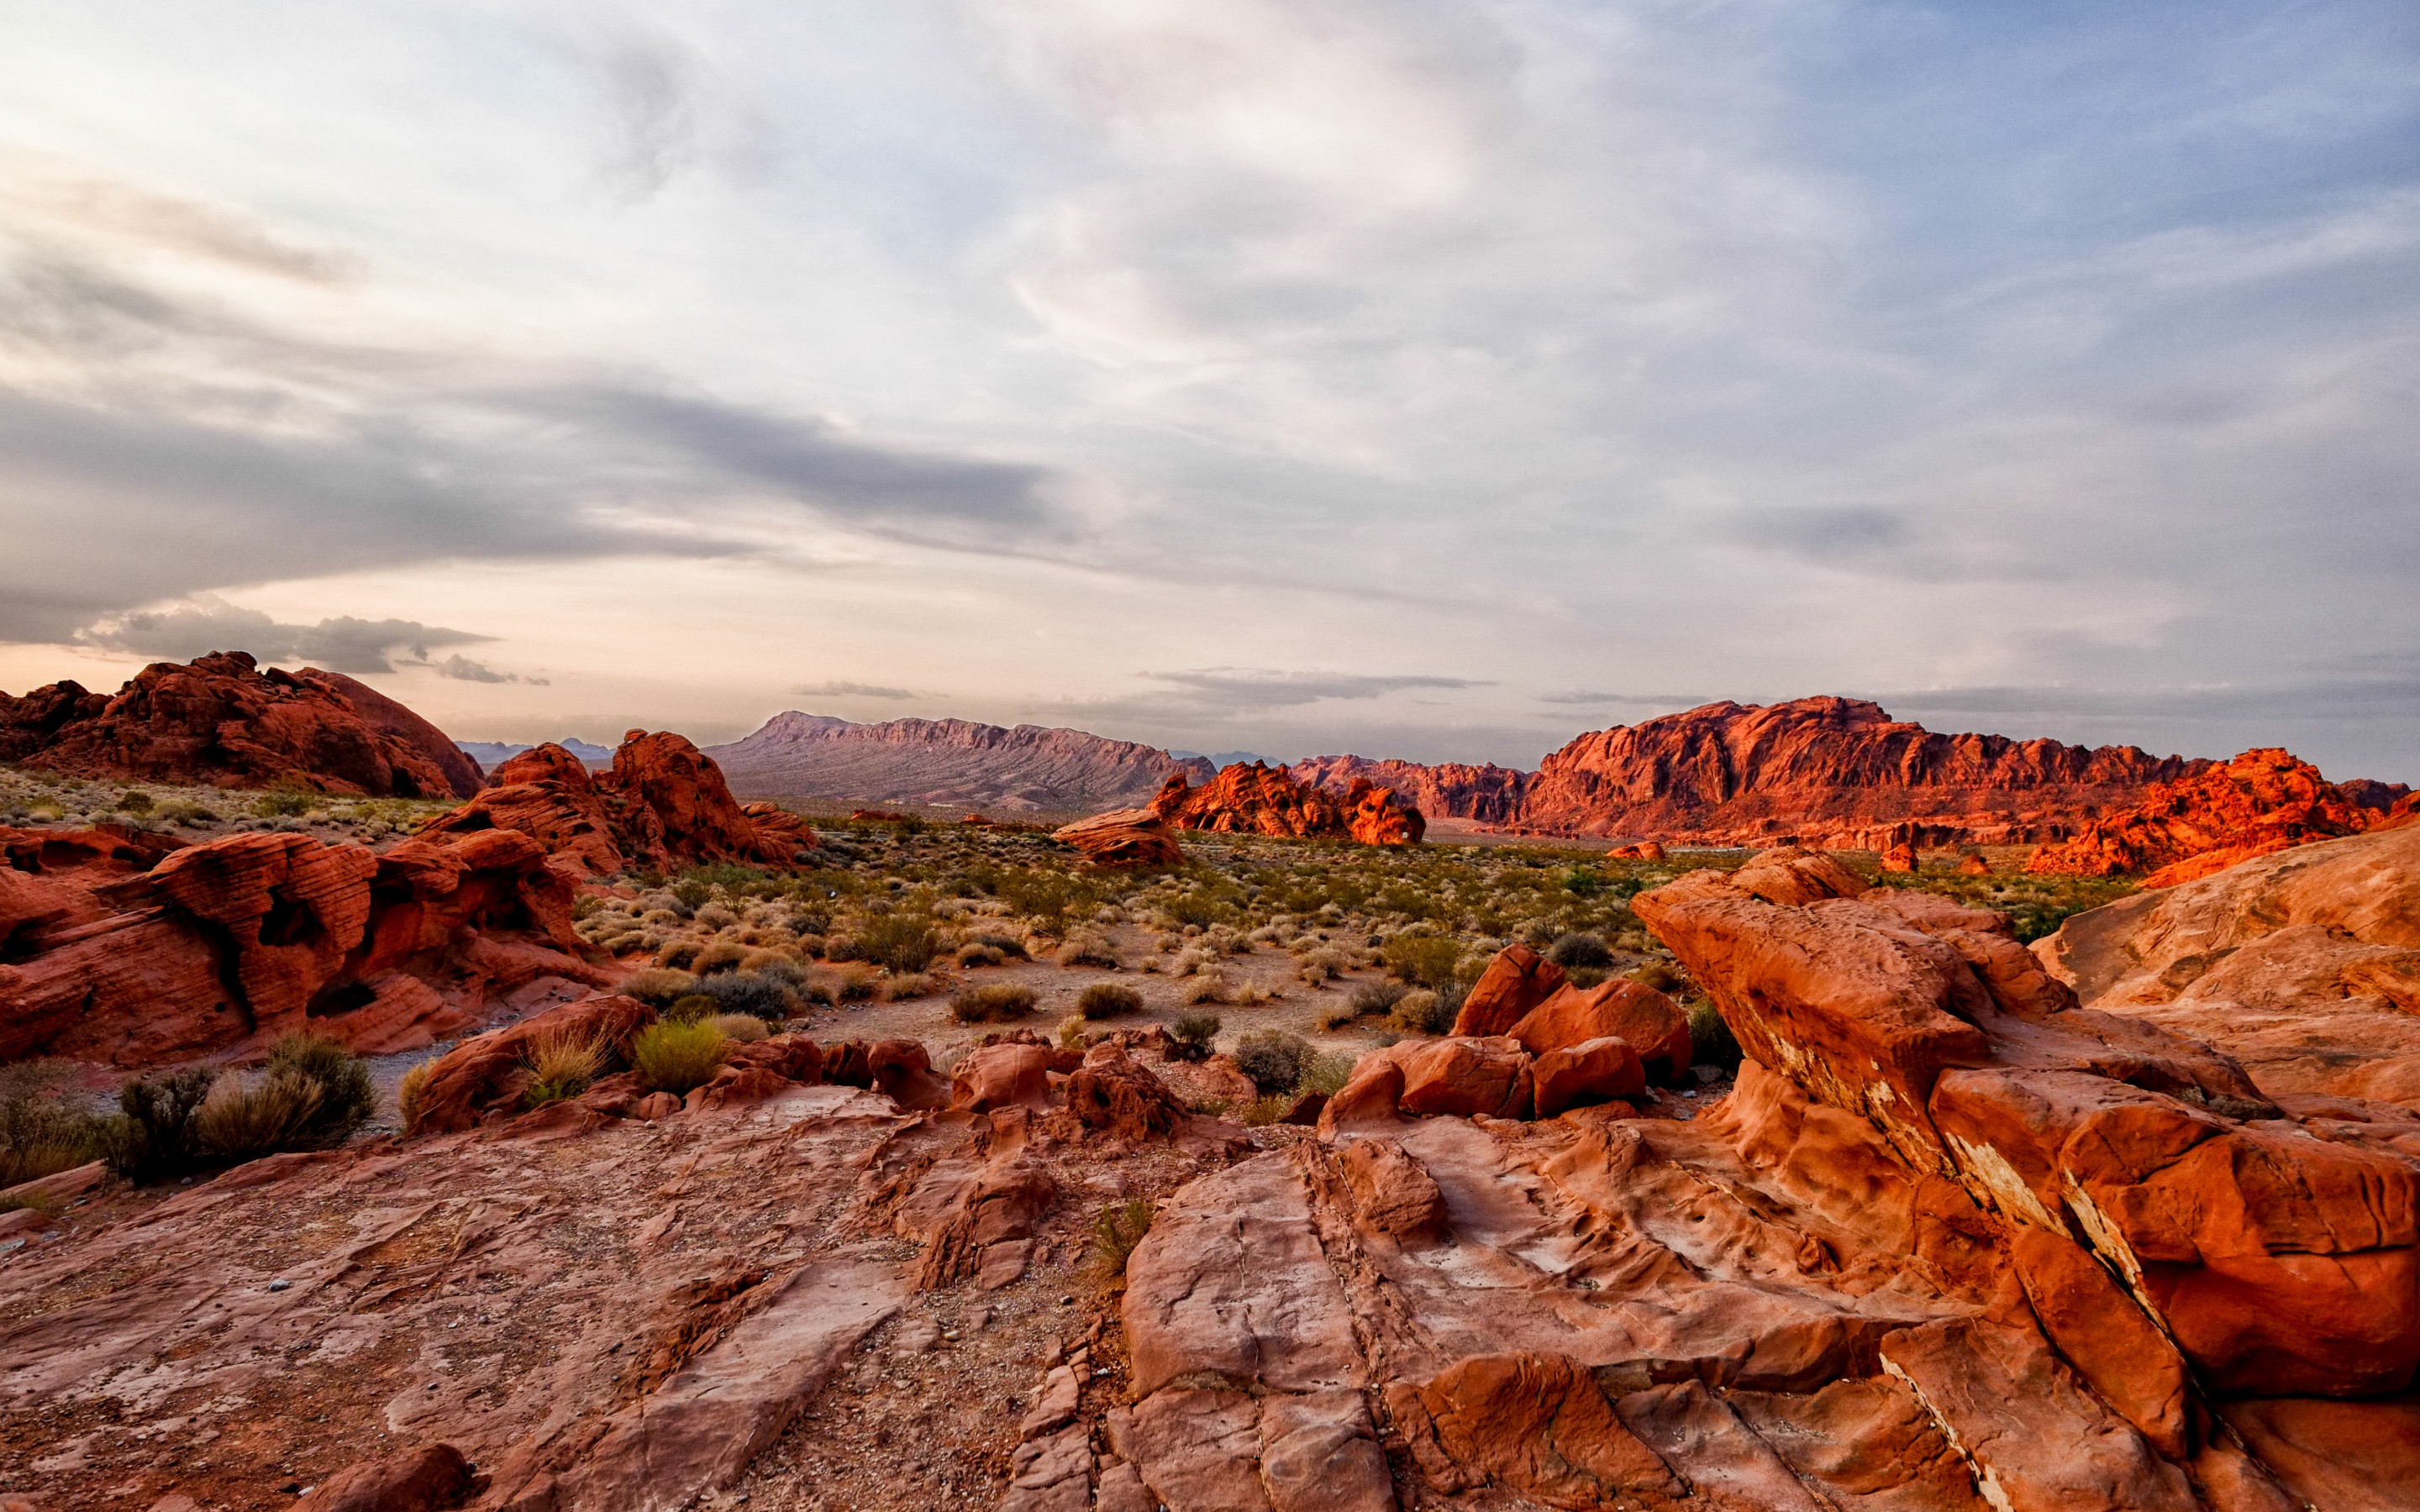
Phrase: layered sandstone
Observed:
(1260, 799)
(954, 764)
(1123, 839)
(220, 720)
(1489, 794)
(2262, 801)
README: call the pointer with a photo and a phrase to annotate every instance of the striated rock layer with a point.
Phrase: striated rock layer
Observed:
(1490, 794)
(1260, 799)
(2260, 802)
(947, 762)
(221, 721)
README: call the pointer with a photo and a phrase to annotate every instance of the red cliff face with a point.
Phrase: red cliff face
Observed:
(2262, 801)
(1490, 794)
(220, 720)
(1259, 799)
(1828, 771)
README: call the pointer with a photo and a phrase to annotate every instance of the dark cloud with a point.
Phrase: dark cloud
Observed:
(462, 669)
(1825, 534)
(345, 644)
(853, 690)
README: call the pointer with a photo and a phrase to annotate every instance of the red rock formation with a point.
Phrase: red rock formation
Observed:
(221, 721)
(662, 805)
(952, 763)
(1122, 840)
(136, 954)
(1490, 794)
(1831, 771)
(1259, 799)
(2262, 801)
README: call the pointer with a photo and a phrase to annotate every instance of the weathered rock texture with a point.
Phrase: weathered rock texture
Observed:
(2303, 965)
(950, 763)
(119, 949)
(1490, 794)
(661, 805)
(221, 720)
(2260, 802)
(1260, 799)
(1123, 838)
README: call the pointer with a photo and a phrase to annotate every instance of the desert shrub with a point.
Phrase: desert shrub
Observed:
(1660, 975)
(1263, 1111)
(677, 955)
(347, 1096)
(690, 1007)
(1088, 947)
(1274, 1060)
(1009, 945)
(976, 953)
(907, 985)
(155, 1135)
(1423, 960)
(409, 1092)
(1116, 1231)
(740, 1029)
(136, 801)
(1195, 1033)
(1205, 987)
(718, 955)
(1579, 949)
(1424, 1012)
(1328, 1073)
(992, 1003)
(1323, 965)
(42, 1130)
(715, 917)
(1584, 977)
(692, 893)
(1335, 1016)
(1107, 1000)
(1378, 997)
(903, 942)
(1070, 1032)
(776, 964)
(1712, 1037)
(243, 1119)
(183, 811)
(561, 1065)
(285, 803)
(678, 1057)
(747, 991)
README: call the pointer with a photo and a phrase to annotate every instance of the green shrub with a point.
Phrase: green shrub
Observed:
(1328, 1073)
(135, 800)
(993, 1003)
(1274, 1060)
(904, 942)
(693, 893)
(1584, 977)
(1195, 1033)
(1263, 1111)
(678, 1057)
(747, 992)
(1579, 951)
(1712, 1038)
(1107, 1000)
(1378, 996)
(659, 988)
(42, 1130)
(692, 1006)
(1660, 975)
(1423, 960)
(1116, 1231)
(346, 1097)
(561, 1065)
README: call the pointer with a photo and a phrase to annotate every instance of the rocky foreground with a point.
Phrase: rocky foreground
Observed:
(1953, 1240)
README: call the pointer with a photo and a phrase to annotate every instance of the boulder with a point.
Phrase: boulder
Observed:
(1653, 1024)
(488, 1075)
(1583, 1075)
(1115, 1094)
(1000, 1076)
(1515, 981)
(1123, 839)
(432, 1479)
(1467, 1076)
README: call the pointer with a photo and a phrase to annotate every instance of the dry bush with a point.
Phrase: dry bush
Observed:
(1274, 1060)
(1426, 1012)
(1266, 1110)
(993, 1003)
(719, 955)
(1088, 947)
(1323, 964)
(1071, 1032)
(909, 984)
(562, 1063)
(409, 1092)
(1190, 960)
(1116, 1232)
(1335, 1016)
(903, 942)
(240, 1121)
(1205, 987)
(1248, 995)
(715, 917)
(976, 953)
(1195, 1034)
(1328, 1073)
(678, 1057)
(1107, 1000)
(677, 955)
(741, 1029)
(41, 1131)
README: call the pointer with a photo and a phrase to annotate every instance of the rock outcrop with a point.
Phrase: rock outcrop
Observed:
(954, 764)
(128, 951)
(661, 805)
(1488, 793)
(2260, 802)
(1260, 799)
(220, 720)
(1123, 839)
(2303, 965)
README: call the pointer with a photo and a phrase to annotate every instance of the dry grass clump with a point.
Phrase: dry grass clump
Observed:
(1088, 947)
(1107, 1000)
(240, 1119)
(1070, 1033)
(1195, 1034)
(909, 984)
(740, 1029)
(1323, 965)
(41, 1131)
(1116, 1232)
(1205, 987)
(904, 942)
(678, 1057)
(562, 1063)
(718, 955)
(993, 1003)
(1274, 1060)
(1425, 1012)
(659, 987)
(976, 953)
(410, 1092)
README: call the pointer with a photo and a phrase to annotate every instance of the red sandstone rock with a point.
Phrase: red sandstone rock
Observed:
(1587, 1074)
(1123, 838)
(1489, 794)
(1515, 981)
(1116, 1094)
(488, 1075)
(1262, 800)
(1537, 1425)
(1651, 1024)
(1643, 851)
(1490, 1077)
(220, 720)
(1974, 865)
(433, 1478)
(1392, 1194)
(1000, 1076)
(2262, 801)
(547, 794)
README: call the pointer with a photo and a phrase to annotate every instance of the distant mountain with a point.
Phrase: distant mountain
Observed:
(1220, 760)
(491, 752)
(947, 763)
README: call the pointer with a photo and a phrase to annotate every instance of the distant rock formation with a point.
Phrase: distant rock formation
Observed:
(491, 754)
(1260, 799)
(954, 764)
(1490, 794)
(2262, 801)
(220, 720)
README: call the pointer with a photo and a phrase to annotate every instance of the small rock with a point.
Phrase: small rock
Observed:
(280, 1284)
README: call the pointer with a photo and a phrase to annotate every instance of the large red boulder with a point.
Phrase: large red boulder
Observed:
(2262, 801)
(1653, 1024)
(1123, 839)
(1000, 1076)
(1260, 799)
(1585, 1074)
(1489, 1077)
(220, 720)
(1517, 981)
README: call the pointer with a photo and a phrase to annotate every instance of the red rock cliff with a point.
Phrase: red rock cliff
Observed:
(2262, 801)
(1490, 794)
(1259, 799)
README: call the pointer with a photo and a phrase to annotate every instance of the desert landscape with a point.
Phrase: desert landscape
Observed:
(383, 1135)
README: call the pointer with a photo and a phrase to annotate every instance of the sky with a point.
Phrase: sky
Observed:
(1433, 378)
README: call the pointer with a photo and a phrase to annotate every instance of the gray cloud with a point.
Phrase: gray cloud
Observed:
(1583, 697)
(650, 101)
(462, 669)
(856, 690)
(1825, 533)
(1238, 688)
(345, 644)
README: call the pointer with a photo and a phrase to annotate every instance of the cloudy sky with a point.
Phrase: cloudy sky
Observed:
(1423, 377)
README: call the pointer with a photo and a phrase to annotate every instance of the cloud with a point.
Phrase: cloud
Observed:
(176, 224)
(853, 690)
(182, 631)
(462, 669)
(1582, 697)
(1238, 689)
